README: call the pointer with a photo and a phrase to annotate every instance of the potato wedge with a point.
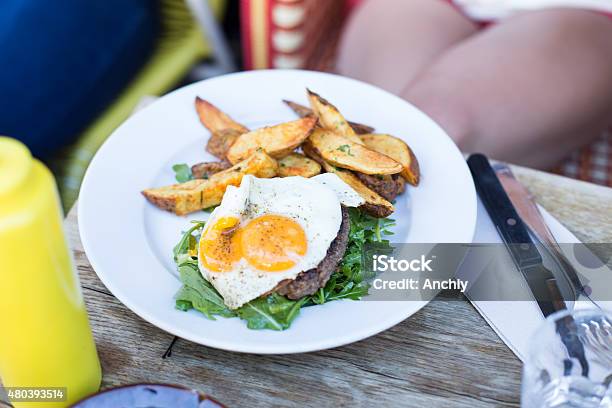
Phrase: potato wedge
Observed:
(312, 153)
(259, 164)
(197, 195)
(205, 170)
(278, 141)
(298, 165)
(214, 119)
(220, 142)
(330, 117)
(303, 111)
(341, 152)
(180, 199)
(399, 151)
(374, 205)
(300, 110)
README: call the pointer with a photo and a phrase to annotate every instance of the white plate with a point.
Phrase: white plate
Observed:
(129, 242)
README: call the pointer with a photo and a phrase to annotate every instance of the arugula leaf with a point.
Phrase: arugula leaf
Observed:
(188, 242)
(350, 281)
(210, 209)
(352, 290)
(273, 312)
(182, 304)
(182, 172)
(199, 294)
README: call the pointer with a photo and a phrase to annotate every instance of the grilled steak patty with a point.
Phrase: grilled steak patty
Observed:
(388, 186)
(308, 282)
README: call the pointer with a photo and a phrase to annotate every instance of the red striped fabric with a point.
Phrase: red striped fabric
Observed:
(287, 33)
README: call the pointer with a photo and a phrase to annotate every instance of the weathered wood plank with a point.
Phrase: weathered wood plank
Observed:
(445, 355)
(584, 208)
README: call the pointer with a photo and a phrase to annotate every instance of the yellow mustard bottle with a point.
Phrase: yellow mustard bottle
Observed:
(45, 338)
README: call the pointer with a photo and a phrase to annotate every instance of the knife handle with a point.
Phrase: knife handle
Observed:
(502, 212)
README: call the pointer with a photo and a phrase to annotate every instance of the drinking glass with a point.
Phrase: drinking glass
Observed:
(551, 378)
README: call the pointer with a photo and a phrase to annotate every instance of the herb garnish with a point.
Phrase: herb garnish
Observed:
(182, 172)
(345, 149)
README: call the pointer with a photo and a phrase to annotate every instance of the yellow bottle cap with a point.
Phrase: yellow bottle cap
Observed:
(15, 165)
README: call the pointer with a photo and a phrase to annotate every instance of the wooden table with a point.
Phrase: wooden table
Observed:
(445, 355)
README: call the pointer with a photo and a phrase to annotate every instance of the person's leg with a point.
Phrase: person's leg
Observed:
(528, 90)
(388, 42)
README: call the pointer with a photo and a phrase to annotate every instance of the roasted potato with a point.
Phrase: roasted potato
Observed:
(303, 111)
(180, 199)
(197, 195)
(330, 117)
(220, 141)
(387, 186)
(278, 141)
(214, 119)
(374, 205)
(342, 152)
(205, 170)
(298, 165)
(399, 151)
(313, 154)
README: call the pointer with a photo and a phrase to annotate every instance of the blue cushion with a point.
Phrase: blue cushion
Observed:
(64, 61)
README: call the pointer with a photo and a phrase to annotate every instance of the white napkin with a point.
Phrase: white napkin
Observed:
(515, 321)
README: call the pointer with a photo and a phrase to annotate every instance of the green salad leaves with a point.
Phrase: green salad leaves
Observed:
(276, 312)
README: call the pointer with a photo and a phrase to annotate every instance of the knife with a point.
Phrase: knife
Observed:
(524, 253)
(515, 235)
(524, 203)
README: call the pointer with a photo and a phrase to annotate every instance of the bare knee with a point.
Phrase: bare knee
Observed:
(477, 91)
(388, 42)
(568, 30)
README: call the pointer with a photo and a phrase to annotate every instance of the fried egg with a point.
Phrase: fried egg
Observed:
(270, 230)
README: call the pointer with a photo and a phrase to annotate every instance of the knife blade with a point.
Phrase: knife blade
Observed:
(525, 205)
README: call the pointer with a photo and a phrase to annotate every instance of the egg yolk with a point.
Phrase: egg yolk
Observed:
(273, 242)
(270, 243)
(220, 245)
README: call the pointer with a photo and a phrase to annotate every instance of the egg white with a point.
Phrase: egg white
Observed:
(310, 203)
(344, 192)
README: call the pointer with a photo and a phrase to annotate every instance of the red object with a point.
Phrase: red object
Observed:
(352, 3)
(591, 163)
(288, 33)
